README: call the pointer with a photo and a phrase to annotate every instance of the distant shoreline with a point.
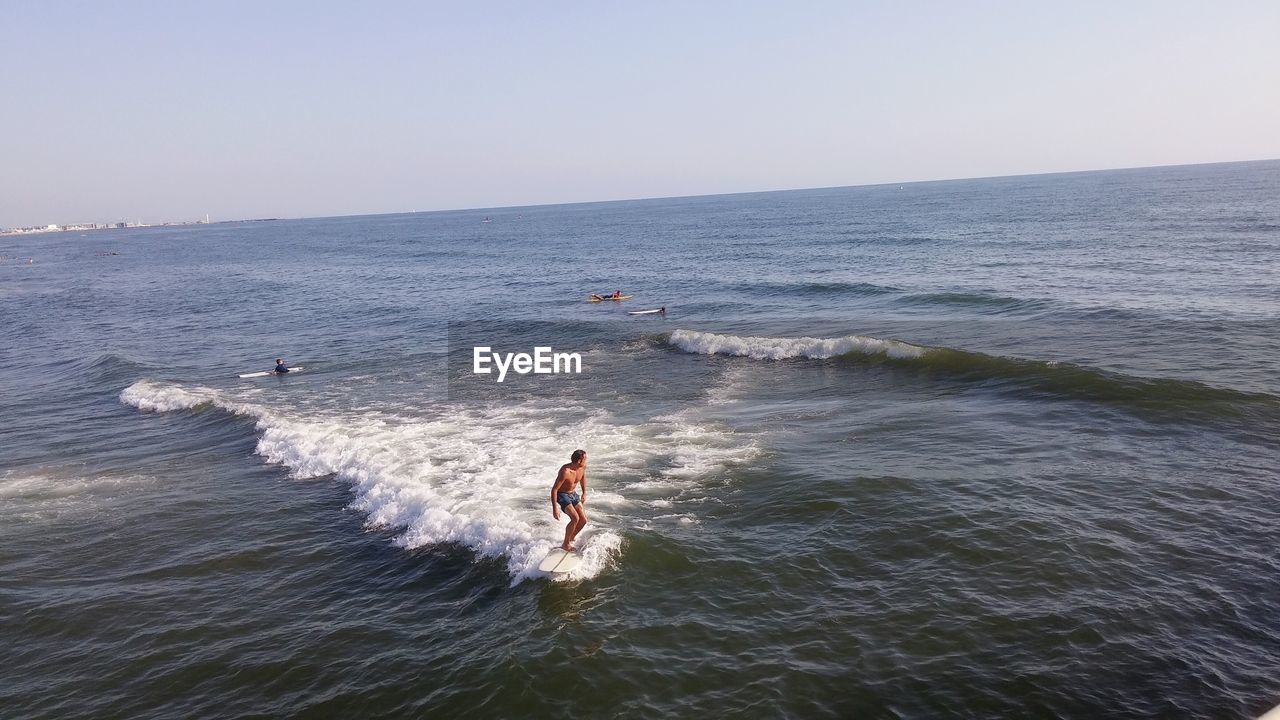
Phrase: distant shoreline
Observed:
(72, 227)
(48, 230)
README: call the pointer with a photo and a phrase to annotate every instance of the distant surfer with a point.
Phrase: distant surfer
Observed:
(617, 295)
(565, 494)
(281, 368)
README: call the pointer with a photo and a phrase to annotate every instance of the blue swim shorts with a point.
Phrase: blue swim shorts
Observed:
(566, 499)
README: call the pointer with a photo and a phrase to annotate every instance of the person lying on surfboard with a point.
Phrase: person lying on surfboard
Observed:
(564, 492)
(280, 367)
(617, 295)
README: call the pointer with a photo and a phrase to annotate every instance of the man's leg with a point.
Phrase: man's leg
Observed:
(571, 529)
(581, 520)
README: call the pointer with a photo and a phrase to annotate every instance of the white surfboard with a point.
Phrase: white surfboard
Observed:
(644, 312)
(559, 562)
(272, 372)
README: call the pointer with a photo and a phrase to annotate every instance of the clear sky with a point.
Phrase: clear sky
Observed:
(158, 111)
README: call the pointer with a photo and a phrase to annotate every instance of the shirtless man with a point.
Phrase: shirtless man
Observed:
(565, 494)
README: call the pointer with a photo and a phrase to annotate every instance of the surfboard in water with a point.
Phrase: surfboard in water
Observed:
(610, 298)
(644, 312)
(560, 561)
(272, 372)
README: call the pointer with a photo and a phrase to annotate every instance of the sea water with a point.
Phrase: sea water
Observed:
(981, 448)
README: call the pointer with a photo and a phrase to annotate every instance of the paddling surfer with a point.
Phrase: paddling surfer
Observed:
(564, 492)
(281, 368)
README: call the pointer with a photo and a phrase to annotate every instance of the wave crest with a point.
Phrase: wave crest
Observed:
(770, 348)
(1163, 398)
(153, 397)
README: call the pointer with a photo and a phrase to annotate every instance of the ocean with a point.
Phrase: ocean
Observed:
(980, 448)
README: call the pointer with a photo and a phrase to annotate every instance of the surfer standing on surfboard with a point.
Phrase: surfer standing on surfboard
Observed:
(565, 494)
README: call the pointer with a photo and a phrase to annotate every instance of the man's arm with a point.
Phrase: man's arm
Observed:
(555, 509)
(583, 480)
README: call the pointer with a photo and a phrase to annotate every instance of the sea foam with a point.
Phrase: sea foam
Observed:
(154, 397)
(771, 348)
(480, 477)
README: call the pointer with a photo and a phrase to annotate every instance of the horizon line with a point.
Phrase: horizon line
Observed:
(684, 197)
(763, 192)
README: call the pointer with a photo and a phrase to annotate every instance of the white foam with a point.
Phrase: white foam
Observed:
(46, 496)
(769, 348)
(14, 486)
(651, 485)
(153, 397)
(730, 386)
(676, 519)
(480, 477)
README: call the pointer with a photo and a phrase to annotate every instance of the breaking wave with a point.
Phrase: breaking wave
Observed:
(1168, 397)
(480, 477)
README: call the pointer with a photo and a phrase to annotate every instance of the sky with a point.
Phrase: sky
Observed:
(166, 111)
